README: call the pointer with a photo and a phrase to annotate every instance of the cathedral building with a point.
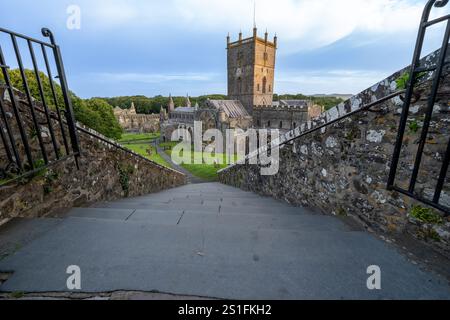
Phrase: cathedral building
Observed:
(215, 114)
(251, 80)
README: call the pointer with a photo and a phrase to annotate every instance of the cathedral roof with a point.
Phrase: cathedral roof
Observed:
(232, 108)
(184, 109)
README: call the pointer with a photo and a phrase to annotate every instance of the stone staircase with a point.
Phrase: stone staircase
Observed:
(209, 240)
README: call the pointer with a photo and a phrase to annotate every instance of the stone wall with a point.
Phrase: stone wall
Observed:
(147, 123)
(106, 172)
(284, 117)
(343, 170)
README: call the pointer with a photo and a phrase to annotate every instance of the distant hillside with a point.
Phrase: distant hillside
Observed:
(334, 95)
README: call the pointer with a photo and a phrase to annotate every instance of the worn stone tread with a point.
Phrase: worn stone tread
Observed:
(260, 250)
(216, 261)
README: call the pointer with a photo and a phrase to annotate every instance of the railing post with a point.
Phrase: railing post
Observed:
(66, 93)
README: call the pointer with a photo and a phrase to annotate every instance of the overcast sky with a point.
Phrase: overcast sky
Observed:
(129, 47)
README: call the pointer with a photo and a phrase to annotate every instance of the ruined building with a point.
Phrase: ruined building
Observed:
(131, 121)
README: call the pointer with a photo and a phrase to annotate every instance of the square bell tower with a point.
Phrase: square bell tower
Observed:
(251, 70)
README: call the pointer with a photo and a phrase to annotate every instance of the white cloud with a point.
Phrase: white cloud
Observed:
(300, 23)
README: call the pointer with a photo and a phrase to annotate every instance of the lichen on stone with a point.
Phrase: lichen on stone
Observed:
(375, 136)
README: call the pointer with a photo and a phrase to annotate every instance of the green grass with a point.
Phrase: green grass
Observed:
(203, 171)
(143, 148)
(206, 171)
(127, 137)
(134, 143)
(168, 145)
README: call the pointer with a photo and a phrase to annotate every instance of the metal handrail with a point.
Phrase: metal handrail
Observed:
(100, 137)
(9, 140)
(50, 45)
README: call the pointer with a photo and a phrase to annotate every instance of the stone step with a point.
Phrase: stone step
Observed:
(20, 231)
(231, 263)
(298, 222)
(101, 213)
(231, 202)
(211, 208)
(190, 218)
(164, 217)
(198, 195)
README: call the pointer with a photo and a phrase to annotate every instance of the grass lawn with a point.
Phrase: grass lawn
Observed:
(133, 141)
(204, 171)
(131, 137)
(137, 143)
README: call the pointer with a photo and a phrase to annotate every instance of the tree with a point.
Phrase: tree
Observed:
(104, 118)
(93, 113)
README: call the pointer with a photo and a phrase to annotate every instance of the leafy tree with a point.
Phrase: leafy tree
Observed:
(93, 113)
(153, 105)
(103, 118)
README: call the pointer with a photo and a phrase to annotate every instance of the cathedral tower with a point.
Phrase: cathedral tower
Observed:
(251, 70)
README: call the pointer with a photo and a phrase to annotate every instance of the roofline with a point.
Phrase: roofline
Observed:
(251, 39)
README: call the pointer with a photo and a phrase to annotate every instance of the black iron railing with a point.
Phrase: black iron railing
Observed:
(436, 77)
(23, 115)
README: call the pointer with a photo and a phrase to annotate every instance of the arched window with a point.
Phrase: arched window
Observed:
(264, 85)
(258, 87)
(268, 124)
(239, 84)
(281, 124)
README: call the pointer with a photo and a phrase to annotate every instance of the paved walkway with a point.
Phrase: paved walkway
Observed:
(209, 240)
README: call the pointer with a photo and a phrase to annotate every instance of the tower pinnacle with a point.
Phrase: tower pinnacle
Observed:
(171, 104)
(188, 101)
(254, 14)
